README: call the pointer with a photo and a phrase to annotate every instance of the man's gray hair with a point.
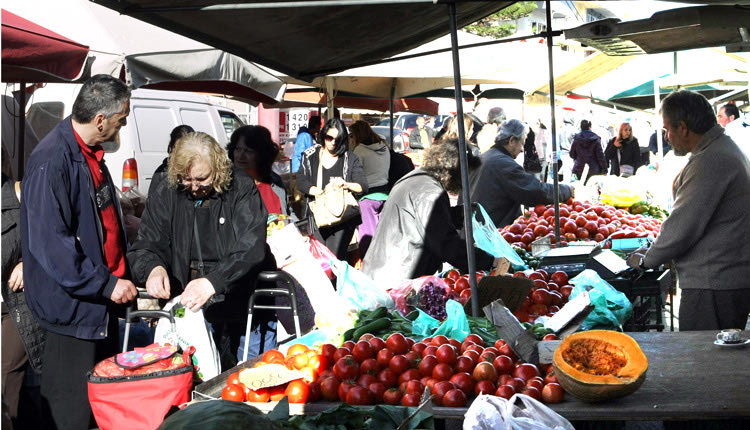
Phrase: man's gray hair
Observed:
(511, 128)
(496, 115)
(689, 107)
(101, 94)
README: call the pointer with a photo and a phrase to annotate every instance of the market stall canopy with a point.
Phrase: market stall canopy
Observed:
(146, 56)
(494, 63)
(314, 99)
(32, 53)
(670, 30)
(312, 38)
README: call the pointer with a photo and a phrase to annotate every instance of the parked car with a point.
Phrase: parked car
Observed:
(406, 122)
(396, 141)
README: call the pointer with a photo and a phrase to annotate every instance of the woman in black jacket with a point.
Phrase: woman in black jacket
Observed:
(623, 152)
(340, 169)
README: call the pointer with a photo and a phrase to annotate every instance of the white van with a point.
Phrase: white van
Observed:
(141, 145)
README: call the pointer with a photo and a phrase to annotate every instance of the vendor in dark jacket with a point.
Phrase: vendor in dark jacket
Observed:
(416, 233)
(587, 149)
(341, 168)
(501, 185)
(623, 152)
(203, 230)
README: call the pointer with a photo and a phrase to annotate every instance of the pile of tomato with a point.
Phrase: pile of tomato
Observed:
(579, 221)
(396, 371)
(546, 297)
(459, 284)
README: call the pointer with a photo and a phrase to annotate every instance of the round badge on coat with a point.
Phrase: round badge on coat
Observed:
(221, 220)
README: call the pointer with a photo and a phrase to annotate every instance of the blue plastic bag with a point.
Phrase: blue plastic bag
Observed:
(359, 289)
(611, 307)
(455, 326)
(489, 240)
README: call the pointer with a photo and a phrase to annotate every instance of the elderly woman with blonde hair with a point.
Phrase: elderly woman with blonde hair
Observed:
(203, 230)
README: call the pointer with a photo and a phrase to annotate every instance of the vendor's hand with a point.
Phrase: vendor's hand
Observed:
(635, 258)
(157, 285)
(196, 294)
(15, 282)
(124, 292)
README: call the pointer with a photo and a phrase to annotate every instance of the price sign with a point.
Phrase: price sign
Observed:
(269, 375)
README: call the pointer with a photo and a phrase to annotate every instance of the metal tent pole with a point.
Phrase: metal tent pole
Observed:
(553, 126)
(464, 162)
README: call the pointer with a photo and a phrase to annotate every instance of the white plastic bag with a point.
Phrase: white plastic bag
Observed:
(521, 412)
(191, 329)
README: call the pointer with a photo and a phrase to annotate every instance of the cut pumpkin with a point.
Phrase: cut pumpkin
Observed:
(600, 365)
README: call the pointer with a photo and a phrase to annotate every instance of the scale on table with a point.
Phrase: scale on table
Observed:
(574, 259)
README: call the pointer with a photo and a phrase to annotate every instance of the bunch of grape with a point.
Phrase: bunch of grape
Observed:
(432, 298)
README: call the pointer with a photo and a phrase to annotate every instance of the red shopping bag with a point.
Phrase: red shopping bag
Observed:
(136, 389)
(323, 255)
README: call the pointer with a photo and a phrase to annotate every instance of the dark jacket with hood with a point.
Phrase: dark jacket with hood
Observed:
(587, 149)
(501, 185)
(629, 153)
(416, 234)
(68, 284)
(166, 235)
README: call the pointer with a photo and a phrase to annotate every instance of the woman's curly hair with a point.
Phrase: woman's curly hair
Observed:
(441, 161)
(192, 147)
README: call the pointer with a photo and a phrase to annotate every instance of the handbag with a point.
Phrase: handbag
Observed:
(334, 206)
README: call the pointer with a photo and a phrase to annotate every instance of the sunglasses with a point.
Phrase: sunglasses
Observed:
(329, 138)
(188, 185)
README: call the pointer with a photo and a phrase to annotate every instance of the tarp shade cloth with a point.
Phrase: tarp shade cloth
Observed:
(314, 98)
(307, 41)
(146, 56)
(32, 53)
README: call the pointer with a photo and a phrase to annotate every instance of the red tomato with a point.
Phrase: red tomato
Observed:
(419, 348)
(388, 378)
(330, 389)
(269, 355)
(533, 393)
(505, 391)
(550, 377)
(384, 357)
(358, 396)
(340, 353)
(507, 350)
(344, 388)
(318, 363)
(441, 388)
(366, 379)
(411, 399)
(414, 386)
(349, 344)
(346, 368)
(487, 356)
(536, 383)
(473, 355)
(427, 364)
(503, 364)
(327, 350)
(484, 387)
(446, 354)
(453, 274)
(430, 350)
(439, 340)
(409, 375)
(297, 391)
(233, 379)
(397, 344)
(398, 364)
(369, 366)
(259, 396)
(362, 351)
(377, 389)
(454, 398)
(315, 392)
(484, 371)
(525, 371)
(442, 372)
(553, 393)
(461, 284)
(475, 339)
(464, 364)
(233, 392)
(518, 384)
(377, 344)
(464, 382)
(393, 396)
(277, 393)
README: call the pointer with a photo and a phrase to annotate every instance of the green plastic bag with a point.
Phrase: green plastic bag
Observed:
(611, 307)
(455, 326)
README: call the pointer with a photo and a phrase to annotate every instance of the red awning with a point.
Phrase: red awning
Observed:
(313, 98)
(32, 53)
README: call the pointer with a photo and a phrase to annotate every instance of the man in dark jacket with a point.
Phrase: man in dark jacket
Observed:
(421, 136)
(587, 149)
(416, 233)
(74, 245)
(501, 185)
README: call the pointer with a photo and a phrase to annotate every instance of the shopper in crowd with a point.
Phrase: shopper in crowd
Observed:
(735, 126)
(653, 144)
(486, 137)
(501, 185)
(161, 171)
(306, 137)
(421, 136)
(623, 152)
(73, 246)
(543, 144)
(202, 234)
(332, 164)
(727, 114)
(704, 234)
(587, 149)
(416, 233)
(450, 132)
(373, 153)
(22, 337)
(531, 163)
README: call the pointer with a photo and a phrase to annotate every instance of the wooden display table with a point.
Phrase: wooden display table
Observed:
(689, 378)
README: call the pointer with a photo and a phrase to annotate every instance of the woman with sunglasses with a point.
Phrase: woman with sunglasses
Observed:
(341, 168)
(202, 234)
